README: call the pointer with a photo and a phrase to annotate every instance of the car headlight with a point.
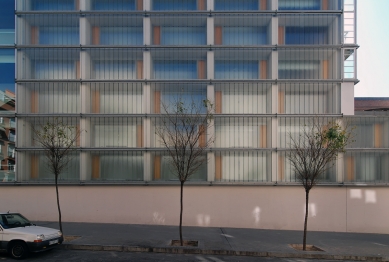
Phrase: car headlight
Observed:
(59, 233)
(39, 238)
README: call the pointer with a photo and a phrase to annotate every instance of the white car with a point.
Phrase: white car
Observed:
(18, 236)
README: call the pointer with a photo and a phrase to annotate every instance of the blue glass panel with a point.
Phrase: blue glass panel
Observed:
(59, 36)
(7, 69)
(7, 14)
(244, 35)
(175, 69)
(113, 5)
(52, 4)
(183, 36)
(236, 5)
(305, 35)
(121, 35)
(236, 69)
(299, 5)
(174, 5)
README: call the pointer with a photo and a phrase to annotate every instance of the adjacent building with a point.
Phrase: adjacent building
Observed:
(268, 66)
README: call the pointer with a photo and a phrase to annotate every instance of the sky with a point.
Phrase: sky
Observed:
(372, 57)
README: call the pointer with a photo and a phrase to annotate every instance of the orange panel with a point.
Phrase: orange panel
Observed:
(34, 102)
(218, 102)
(218, 167)
(201, 69)
(34, 167)
(95, 167)
(350, 165)
(157, 102)
(78, 70)
(139, 5)
(281, 102)
(378, 135)
(325, 69)
(201, 5)
(281, 35)
(95, 102)
(281, 168)
(263, 138)
(202, 137)
(218, 35)
(139, 69)
(157, 35)
(139, 136)
(263, 68)
(263, 5)
(34, 35)
(95, 35)
(324, 5)
(157, 167)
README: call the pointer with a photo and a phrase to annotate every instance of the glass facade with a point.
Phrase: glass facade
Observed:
(109, 67)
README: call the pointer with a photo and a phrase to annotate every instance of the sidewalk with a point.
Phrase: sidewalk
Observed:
(224, 241)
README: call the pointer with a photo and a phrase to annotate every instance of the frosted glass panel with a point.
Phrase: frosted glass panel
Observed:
(236, 69)
(244, 35)
(59, 36)
(195, 35)
(175, 69)
(121, 35)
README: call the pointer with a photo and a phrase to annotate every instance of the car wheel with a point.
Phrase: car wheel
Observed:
(18, 250)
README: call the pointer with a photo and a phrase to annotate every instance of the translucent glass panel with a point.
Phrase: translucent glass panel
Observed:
(115, 29)
(309, 5)
(243, 132)
(34, 167)
(116, 132)
(241, 166)
(309, 64)
(242, 98)
(234, 5)
(174, 5)
(7, 69)
(7, 22)
(120, 5)
(115, 64)
(349, 23)
(294, 126)
(175, 69)
(349, 63)
(308, 98)
(47, 98)
(46, 5)
(116, 166)
(48, 64)
(164, 95)
(286, 172)
(369, 167)
(25, 135)
(115, 98)
(162, 169)
(370, 132)
(309, 29)
(48, 29)
(241, 64)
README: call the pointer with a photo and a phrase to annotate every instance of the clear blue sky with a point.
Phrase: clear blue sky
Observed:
(373, 54)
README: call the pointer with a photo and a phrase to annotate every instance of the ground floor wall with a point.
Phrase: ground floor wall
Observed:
(341, 209)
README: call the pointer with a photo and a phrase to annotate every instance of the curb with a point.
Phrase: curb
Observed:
(183, 250)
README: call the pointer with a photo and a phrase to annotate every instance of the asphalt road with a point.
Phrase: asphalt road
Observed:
(62, 255)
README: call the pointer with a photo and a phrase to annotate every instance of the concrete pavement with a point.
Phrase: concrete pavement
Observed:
(224, 241)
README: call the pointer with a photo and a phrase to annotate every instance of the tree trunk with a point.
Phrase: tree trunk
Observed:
(181, 209)
(306, 220)
(59, 208)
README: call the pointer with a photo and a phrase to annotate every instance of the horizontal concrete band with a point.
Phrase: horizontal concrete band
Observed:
(194, 250)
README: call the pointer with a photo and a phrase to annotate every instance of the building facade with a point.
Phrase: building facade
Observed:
(268, 66)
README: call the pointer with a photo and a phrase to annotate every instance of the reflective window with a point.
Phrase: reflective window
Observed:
(7, 22)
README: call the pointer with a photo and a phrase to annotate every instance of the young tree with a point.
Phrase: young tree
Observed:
(58, 141)
(313, 152)
(183, 132)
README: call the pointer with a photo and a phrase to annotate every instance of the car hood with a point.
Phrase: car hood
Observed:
(35, 230)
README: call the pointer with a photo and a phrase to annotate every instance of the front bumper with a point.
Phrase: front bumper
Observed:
(44, 245)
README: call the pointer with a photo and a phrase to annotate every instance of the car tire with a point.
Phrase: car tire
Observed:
(18, 250)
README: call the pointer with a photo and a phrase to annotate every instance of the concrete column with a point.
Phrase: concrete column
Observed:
(210, 65)
(347, 98)
(210, 4)
(147, 5)
(211, 134)
(147, 65)
(274, 30)
(147, 30)
(210, 31)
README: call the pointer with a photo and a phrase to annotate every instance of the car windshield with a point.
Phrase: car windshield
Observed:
(13, 220)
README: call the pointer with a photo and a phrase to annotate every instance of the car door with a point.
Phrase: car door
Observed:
(2, 244)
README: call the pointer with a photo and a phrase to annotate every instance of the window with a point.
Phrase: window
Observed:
(236, 69)
(299, 69)
(129, 35)
(239, 35)
(58, 35)
(54, 69)
(52, 4)
(175, 69)
(7, 22)
(113, 5)
(299, 5)
(7, 69)
(236, 5)
(174, 35)
(174, 5)
(295, 35)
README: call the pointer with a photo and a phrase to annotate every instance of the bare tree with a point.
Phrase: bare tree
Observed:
(58, 140)
(313, 152)
(183, 132)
